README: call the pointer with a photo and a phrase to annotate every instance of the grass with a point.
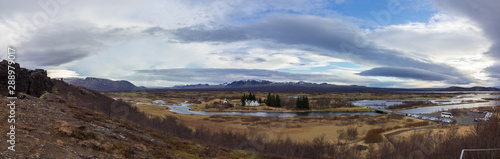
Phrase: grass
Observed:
(346, 109)
(297, 128)
(153, 110)
(181, 96)
(201, 107)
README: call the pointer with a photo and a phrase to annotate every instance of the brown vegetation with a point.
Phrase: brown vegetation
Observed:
(410, 104)
(444, 146)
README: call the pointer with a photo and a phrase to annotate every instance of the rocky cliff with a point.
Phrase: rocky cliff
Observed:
(32, 82)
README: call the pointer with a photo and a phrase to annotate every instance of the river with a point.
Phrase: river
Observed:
(184, 109)
(444, 104)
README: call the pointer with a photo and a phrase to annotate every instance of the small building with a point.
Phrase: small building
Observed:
(225, 101)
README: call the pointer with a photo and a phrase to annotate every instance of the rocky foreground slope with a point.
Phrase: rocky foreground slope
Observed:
(57, 120)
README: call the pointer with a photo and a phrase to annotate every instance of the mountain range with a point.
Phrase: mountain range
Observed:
(100, 84)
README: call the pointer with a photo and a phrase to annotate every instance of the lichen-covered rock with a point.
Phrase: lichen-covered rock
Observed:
(32, 82)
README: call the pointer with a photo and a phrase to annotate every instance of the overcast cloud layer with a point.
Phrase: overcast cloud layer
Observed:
(420, 44)
(485, 14)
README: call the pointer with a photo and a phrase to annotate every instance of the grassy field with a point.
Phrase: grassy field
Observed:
(181, 96)
(297, 128)
(337, 101)
(202, 107)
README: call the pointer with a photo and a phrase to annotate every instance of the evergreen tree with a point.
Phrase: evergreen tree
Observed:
(278, 101)
(273, 100)
(268, 100)
(306, 103)
(302, 102)
(297, 103)
(243, 98)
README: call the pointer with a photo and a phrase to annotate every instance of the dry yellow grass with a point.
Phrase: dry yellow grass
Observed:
(297, 128)
(154, 110)
(262, 108)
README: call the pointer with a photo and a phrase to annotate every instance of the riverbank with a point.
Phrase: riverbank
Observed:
(201, 107)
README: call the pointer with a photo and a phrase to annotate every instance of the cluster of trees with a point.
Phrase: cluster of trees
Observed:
(250, 97)
(302, 102)
(273, 100)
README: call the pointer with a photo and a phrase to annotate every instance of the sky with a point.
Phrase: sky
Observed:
(161, 43)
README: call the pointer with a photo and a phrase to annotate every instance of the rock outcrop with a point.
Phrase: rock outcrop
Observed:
(32, 82)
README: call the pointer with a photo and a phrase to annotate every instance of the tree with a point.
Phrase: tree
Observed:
(268, 99)
(306, 103)
(278, 101)
(298, 103)
(273, 100)
(243, 98)
(302, 102)
(251, 96)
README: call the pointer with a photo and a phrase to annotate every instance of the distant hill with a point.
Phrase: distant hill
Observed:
(243, 83)
(263, 85)
(469, 89)
(101, 84)
(192, 86)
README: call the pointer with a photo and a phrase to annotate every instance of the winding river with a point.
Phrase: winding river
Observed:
(184, 109)
(444, 104)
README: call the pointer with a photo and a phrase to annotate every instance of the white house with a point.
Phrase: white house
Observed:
(225, 101)
(251, 102)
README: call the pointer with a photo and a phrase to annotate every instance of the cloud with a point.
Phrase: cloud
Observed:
(61, 43)
(485, 14)
(442, 38)
(60, 73)
(412, 73)
(493, 71)
(214, 75)
(93, 40)
(324, 36)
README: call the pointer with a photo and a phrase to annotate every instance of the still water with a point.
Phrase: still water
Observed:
(184, 109)
(443, 105)
(459, 101)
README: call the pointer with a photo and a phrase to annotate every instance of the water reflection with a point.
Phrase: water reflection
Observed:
(184, 109)
(460, 101)
(444, 104)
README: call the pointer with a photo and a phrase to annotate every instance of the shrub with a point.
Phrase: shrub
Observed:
(352, 133)
(395, 116)
(374, 135)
